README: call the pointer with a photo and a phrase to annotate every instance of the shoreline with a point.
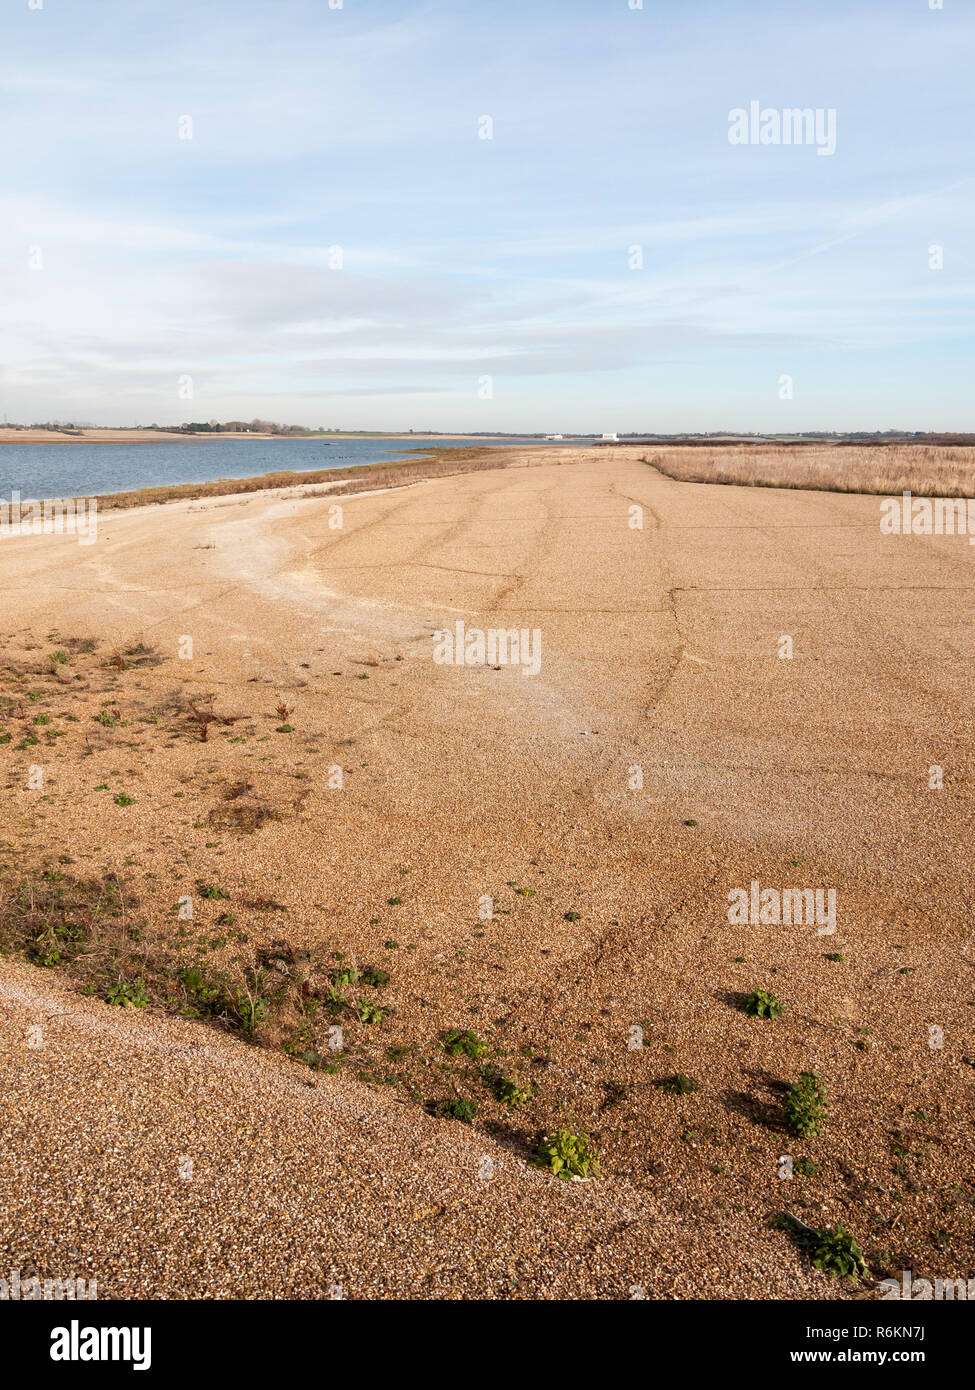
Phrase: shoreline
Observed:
(362, 477)
(923, 470)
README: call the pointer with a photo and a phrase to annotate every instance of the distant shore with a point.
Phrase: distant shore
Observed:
(109, 436)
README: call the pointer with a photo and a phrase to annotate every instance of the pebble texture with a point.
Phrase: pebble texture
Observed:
(663, 756)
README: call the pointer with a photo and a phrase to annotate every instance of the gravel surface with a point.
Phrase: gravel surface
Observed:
(660, 664)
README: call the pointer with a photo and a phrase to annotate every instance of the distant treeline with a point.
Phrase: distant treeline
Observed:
(237, 427)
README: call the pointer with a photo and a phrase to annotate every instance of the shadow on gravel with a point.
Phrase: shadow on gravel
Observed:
(761, 1106)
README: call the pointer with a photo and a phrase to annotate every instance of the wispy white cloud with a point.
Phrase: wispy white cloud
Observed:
(511, 257)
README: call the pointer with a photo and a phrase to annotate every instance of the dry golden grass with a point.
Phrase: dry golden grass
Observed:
(925, 470)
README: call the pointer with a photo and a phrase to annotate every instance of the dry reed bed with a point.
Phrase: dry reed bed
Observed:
(925, 470)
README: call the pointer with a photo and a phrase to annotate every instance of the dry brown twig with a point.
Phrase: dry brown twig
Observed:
(203, 714)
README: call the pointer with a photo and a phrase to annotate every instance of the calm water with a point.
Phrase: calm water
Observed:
(87, 470)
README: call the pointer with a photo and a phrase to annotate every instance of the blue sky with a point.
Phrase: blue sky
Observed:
(161, 259)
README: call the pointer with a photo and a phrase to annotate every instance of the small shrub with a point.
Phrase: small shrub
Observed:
(834, 1251)
(463, 1110)
(568, 1155)
(804, 1108)
(679, 1084)
(45, 953)
(334, 1001)
(616, 1093)
(202, 991)
(760, 1004)
(458, 1041)
(511, 1094)
(129, 994)
(250, 1011)
(201, 714)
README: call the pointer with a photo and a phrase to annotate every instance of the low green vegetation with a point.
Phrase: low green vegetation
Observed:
(506, 1090)
(831, 1249)
(210, 890)
(804, 1107)
(457, 1041)
(760, 1004)
(130, 994)
(568, 1155)
(511, 1094)
(679, 1084)
(463, 1110)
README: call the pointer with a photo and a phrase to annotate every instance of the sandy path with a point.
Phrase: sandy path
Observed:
(659, 650)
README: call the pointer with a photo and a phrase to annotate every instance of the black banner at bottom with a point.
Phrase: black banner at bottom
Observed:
(168, 1339)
